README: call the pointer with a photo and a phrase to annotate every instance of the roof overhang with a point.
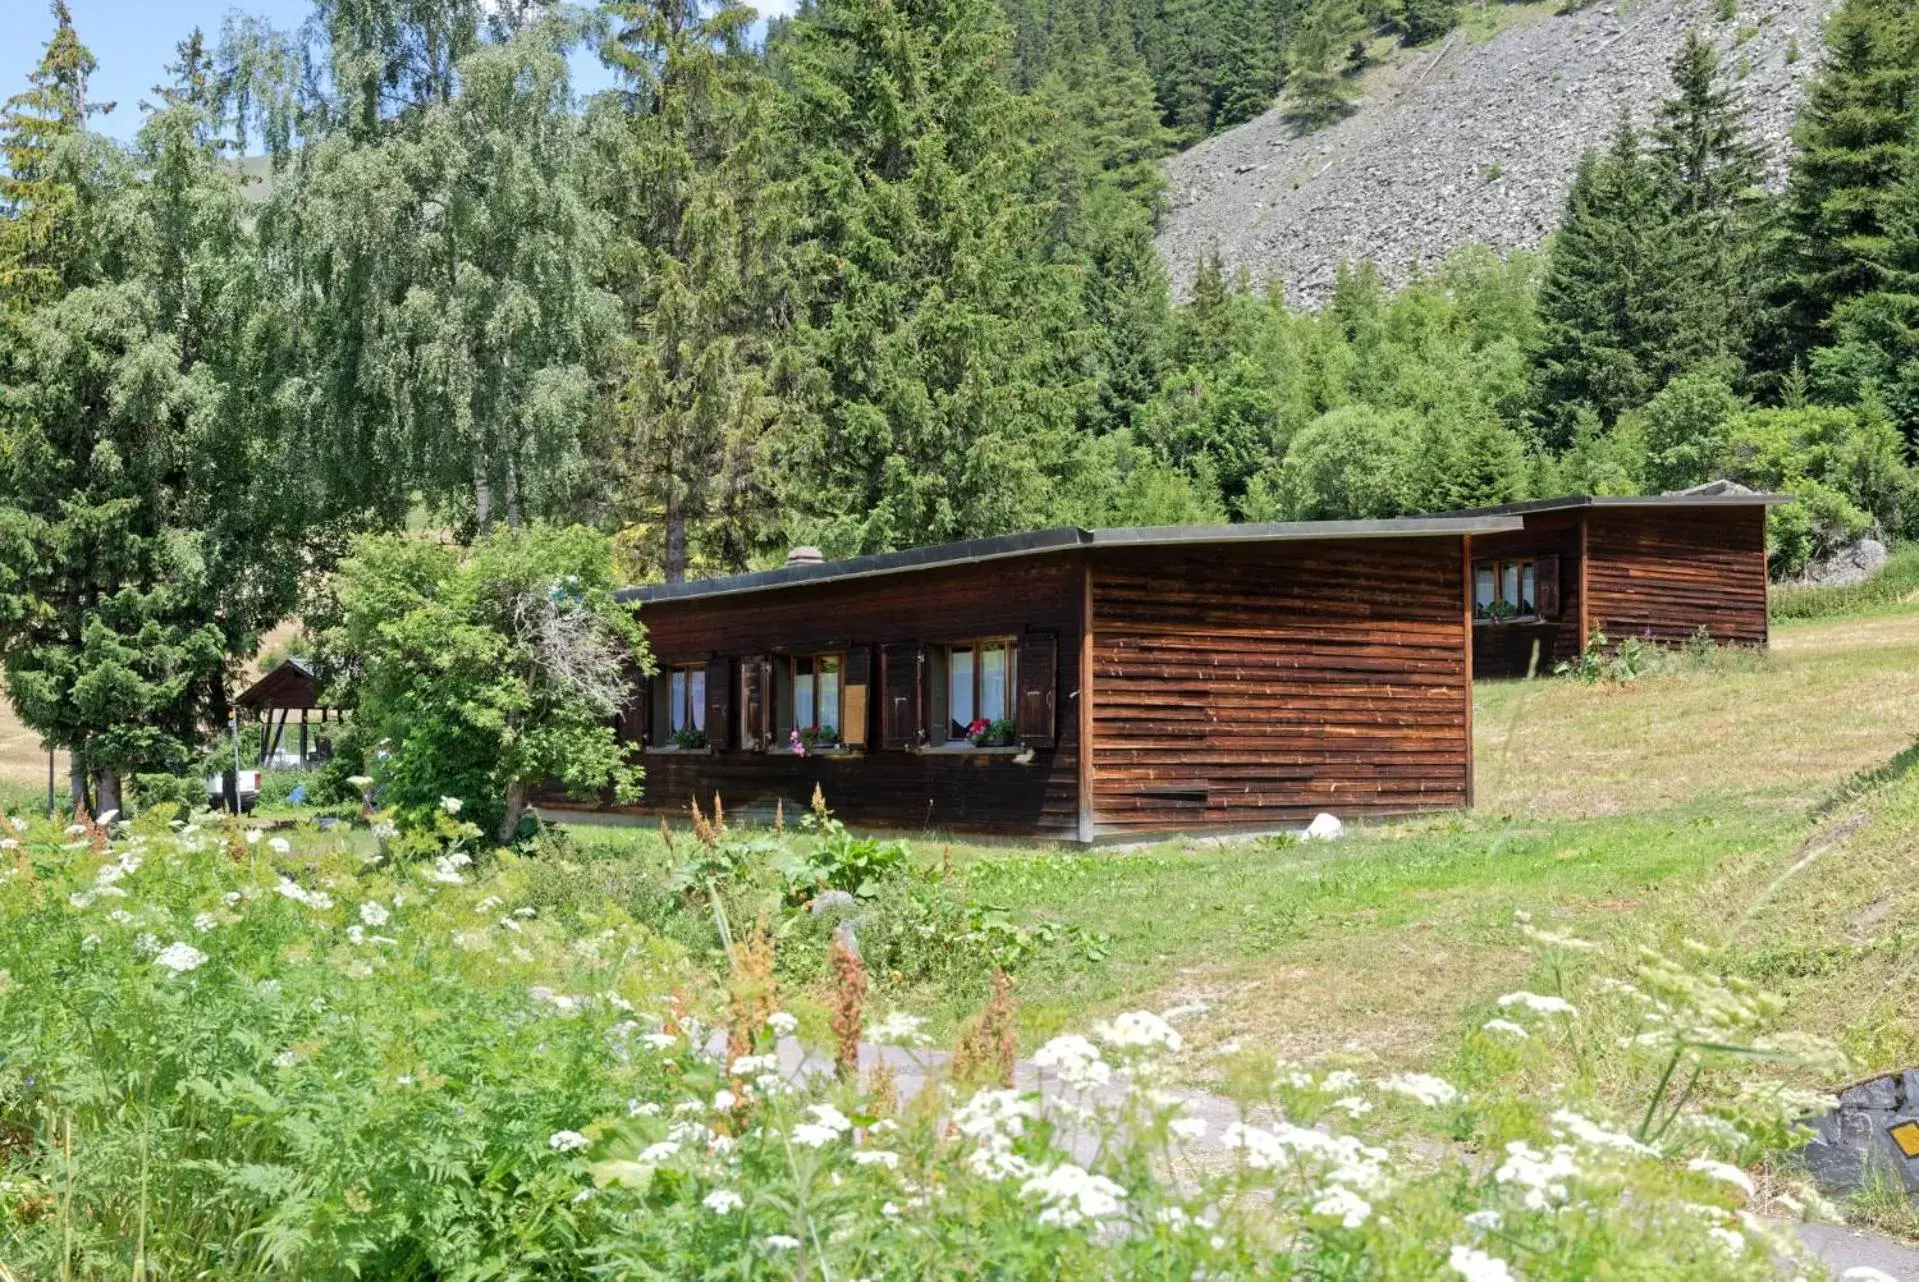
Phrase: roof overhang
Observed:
(1065, 538)
(1667, 501)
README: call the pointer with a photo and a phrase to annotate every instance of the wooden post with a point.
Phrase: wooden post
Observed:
(1466, 579)
(303, 736)
(1585, 607)
(1086, 816)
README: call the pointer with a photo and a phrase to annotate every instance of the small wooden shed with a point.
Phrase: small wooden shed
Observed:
(1661, 568)
(288, 689)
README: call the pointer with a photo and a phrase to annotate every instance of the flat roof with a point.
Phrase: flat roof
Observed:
(1063, 538)
(1748, 499)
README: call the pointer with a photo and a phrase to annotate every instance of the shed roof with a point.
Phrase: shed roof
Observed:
(1001, 546)
(1706, 496)
(290, 684)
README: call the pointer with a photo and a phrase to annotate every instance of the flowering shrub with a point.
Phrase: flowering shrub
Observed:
(222, 1057)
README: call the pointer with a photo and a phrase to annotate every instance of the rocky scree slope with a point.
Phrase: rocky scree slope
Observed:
(1468, 141)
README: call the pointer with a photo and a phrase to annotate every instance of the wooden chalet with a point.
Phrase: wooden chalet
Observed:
(1659, 568)
(1075, 685)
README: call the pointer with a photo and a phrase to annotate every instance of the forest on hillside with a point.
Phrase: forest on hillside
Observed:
(882, 277)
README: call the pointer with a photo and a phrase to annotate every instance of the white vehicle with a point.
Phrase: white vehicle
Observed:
(249, 782)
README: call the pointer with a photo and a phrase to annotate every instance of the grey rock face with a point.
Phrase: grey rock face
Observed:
(1852, 564)
(1465, 143)
(1862, 1135)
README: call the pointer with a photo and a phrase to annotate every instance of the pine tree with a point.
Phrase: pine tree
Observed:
(696, 256)
(1319, 86)
(42, 194)
(1854, 134)
(1612, 306)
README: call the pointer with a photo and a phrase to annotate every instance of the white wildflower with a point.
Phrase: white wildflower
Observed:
(1732, 1239)
(1554, 940)
(253, 836)
(1722, 1171)
(203, 922)
(180, 957)
(748, 1065)
(724, 1101)
(1139, 1029)
(451, 805)
(659, 1152)
(1344, 1205)
(993, 1115)
(828, 1124)
(1538, 1003)
(891, 1210)
(1353, 1105)
(1488, 1219)
(445, 871)
(146, 943)
(722, 1201)
(1596, 1136)
(280, 846)
(1542, 1175)
(877, 1157)
(1072, 1195)
(373, 913)
(637, 1108)
(897, 1029)
(781, 1242)
(1340, 1079)
(1076, 1060)
(566, 1141)
(1477, 1266)
(1506, 1028)
(782, 1023)
(1424, 1087)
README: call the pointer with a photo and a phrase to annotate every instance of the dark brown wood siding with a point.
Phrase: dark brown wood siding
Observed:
(1255, 686)
(1662, 574)
(882, 787)
(1506, 649)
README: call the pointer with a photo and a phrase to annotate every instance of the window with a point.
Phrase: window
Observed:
(812, 700)
(972, 689)
(1505, 589)
(679, 707)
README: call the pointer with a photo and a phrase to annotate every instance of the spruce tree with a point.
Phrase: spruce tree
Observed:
(1854, 135)
(43, 208)
(1424, 21)
(1319, 86)
(1612, 305)
(1705, 154)
(940, 393)
(695, 253)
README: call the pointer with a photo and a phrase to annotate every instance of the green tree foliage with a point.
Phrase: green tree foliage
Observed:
(1685, 430)
(945, 373)
(1844, 467)
(1875, 351)
(1854, 137)
(1424, 21)
(43, 181)
(1612, 305)
(1320, 87)
(485, 671)
(148, 534)
(447, 258)
(1703, 149)
(695, 255)
(1351, 462)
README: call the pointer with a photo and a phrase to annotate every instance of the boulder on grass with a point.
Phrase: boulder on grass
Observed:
(1875, 1128)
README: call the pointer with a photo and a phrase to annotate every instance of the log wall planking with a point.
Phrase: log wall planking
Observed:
(880, 788)
(1661, 574)
(1506, 649)
(1253, 686)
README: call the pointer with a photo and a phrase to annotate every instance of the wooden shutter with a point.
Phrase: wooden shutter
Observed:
(1546, 586)
(719, 703)
(754, 701)
(635, 715)
(856, 681)
(1038, 672)
(900, 694)
(659, 720)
